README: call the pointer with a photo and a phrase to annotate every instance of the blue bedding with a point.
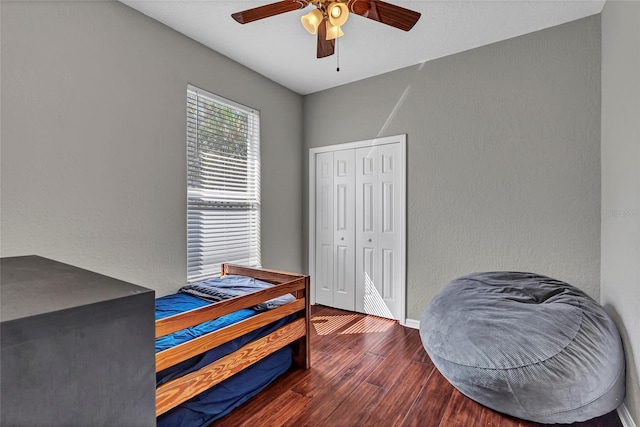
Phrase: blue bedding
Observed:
(178, 303)
(218, 401)
(221, 399)
(231, 286)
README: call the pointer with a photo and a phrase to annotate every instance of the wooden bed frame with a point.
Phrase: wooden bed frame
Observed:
(176, 391)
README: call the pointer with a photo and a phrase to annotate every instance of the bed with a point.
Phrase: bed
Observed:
(213, 356)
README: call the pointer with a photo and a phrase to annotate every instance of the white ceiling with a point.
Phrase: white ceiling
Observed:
(280, 49)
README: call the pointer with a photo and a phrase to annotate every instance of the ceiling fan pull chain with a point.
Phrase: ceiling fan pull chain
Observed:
(337, 55)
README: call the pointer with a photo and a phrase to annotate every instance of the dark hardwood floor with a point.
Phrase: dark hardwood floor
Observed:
(368, 371)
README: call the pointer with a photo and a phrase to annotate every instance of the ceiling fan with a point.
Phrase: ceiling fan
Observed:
(329, 15)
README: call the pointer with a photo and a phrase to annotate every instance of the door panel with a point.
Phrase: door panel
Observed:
(378, 239)
(368, 207)
(341, 269)
(387, 207)
(389, 246)
(325, 269)
(344, 233)
(387, 274)
(342, 208)
(367, 218)
(324, 229)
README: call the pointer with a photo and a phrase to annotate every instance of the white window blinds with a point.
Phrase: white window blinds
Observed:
(223, 184)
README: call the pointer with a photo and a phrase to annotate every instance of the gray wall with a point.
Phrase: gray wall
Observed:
(503, 156)
(620, 284)
(93, 141)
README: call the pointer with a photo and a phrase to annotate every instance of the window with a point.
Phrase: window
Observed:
(223, 184)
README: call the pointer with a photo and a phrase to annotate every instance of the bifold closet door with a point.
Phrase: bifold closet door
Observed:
(379, 186)
(357, 227)
(335, 229)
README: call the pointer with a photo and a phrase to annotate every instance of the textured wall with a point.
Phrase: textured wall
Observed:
(503, 156)
(93, 141)
(621, 182)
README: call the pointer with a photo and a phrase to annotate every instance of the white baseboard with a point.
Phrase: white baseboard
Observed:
(625, 416)
(412, 323)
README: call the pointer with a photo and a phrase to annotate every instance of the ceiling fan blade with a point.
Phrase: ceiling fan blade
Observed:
(387, 13)
(268, 10)
(325, 47)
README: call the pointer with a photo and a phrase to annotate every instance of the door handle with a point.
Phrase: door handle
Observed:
(369, 239)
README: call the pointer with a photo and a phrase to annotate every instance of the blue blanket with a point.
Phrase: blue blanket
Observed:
(221, 288)
(214, 403)
(221, 399)
(178, 303)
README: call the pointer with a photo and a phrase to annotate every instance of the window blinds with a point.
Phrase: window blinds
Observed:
(223, 184)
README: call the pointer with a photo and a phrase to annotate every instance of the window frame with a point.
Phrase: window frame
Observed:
(223, 185)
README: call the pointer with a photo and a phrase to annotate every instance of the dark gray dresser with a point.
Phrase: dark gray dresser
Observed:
(77, 347)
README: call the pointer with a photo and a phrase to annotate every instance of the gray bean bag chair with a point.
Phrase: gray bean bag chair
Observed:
(526, 345)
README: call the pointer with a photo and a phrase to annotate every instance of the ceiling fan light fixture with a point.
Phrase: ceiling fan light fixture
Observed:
(333, 31)
(312, 20)
(329, 16)
(338, 13)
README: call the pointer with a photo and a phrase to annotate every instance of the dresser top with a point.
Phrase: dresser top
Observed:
(32, 285)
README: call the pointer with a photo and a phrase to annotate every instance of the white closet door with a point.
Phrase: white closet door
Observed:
(357, 229)
(379, 187)
(344, 224)
(324, 230)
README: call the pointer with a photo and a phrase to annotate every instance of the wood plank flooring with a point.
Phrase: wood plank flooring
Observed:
(368, 371)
